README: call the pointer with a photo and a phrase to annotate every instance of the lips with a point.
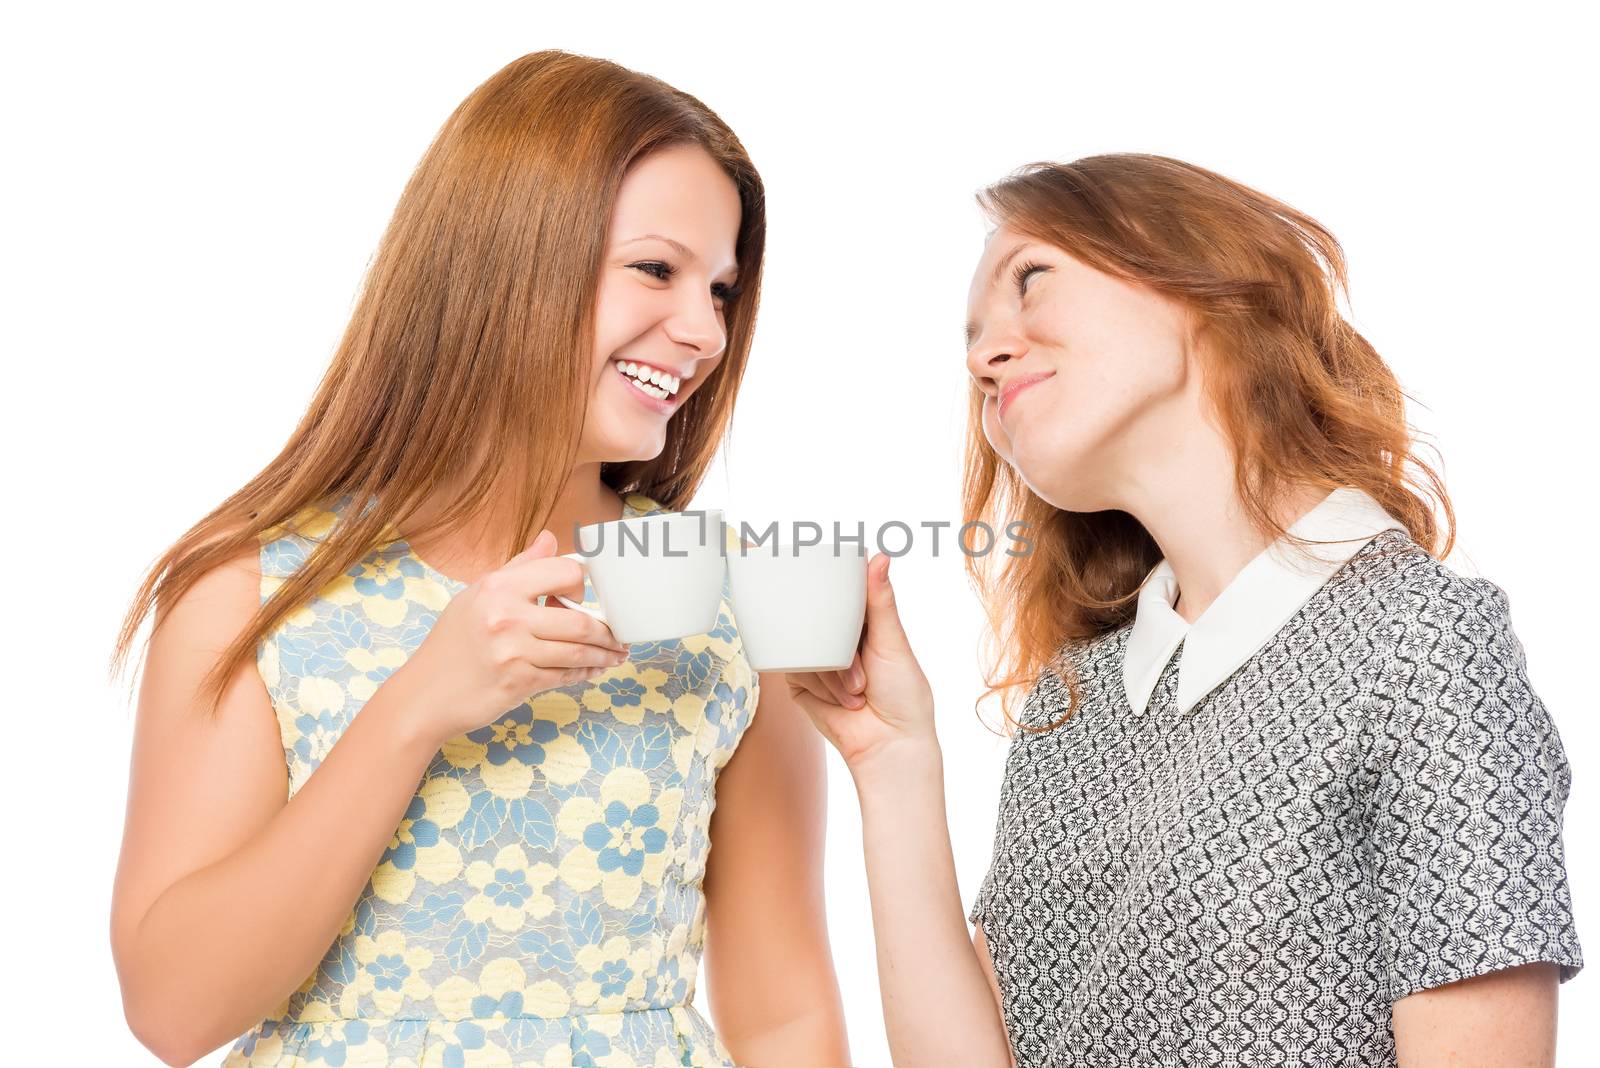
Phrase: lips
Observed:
(654, 399)
(659, 382)
(1008, 393)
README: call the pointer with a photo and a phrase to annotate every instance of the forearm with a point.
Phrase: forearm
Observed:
(813, 1038)
(769, 967)
(937, 1004)
(225, 945)
(782, 1009)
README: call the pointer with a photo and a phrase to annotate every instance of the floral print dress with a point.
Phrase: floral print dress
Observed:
(540, 903)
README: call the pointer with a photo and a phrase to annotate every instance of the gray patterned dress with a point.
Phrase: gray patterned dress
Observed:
(1368, 807)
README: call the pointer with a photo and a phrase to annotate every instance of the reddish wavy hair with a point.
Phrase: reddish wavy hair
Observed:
(1303, 397)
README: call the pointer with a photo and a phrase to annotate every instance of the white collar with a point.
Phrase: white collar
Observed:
(1253, 607)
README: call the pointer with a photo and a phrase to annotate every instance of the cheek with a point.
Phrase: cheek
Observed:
(607, 329)
(1136, 350)
(1059, 430)
(622, 313)
(1112, 380)
(1136, 383)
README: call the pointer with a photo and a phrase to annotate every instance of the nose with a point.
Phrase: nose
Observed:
(696, 324)
(987, 356)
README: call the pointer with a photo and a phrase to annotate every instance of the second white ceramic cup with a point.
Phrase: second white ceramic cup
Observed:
(799, 607)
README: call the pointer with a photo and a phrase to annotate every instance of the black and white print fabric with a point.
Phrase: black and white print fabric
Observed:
(1370, 806)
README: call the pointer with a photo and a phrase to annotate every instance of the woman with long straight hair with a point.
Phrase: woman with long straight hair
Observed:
(1279, 792)
(503, 859)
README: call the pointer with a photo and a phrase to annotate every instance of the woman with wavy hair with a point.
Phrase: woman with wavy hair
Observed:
(1280, 792)
(504, 858)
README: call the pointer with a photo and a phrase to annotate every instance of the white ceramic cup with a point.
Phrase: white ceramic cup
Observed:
(799, 607)
(657, 577)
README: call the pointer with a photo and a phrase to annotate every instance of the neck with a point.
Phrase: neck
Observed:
(478, 545)
(584, 500)
(1188, 501)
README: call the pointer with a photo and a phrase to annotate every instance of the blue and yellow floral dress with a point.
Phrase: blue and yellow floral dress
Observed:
(540, 904)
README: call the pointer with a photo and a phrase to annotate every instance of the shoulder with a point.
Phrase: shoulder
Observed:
(193, 626)
(1419, 603)
(310, 523)
(285, 546)
(1457, 672)
(236, 586)
(1083, 671)
(1428, 581)
(227, 591)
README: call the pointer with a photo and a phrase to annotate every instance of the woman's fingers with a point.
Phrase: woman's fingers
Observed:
(541, 547)
(802, 682)
(855, 677)
(824, 686)
(884, 633)
(531, 577)
(808, 683)
(836, 689)
(549, 654)
(563, 624)
(816, 708)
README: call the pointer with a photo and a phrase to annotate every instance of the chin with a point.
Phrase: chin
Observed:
(621, 452)
(1058, 480)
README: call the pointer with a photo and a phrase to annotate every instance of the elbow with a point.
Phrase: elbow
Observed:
(163, 1034)
(178, 1022)
(152, 1010)
(168, 1044)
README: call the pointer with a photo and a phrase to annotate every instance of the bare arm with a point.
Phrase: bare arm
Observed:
(927, 969)
(1484, 726)
(226, 896)
(981, 945)
(1505, 1019)
(769, 968)
(938, 1003)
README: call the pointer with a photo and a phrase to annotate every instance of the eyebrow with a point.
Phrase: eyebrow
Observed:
(678, 246)
(999, 269)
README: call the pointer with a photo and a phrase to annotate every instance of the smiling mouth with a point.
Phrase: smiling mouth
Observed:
(651, 381)
(1009, 397)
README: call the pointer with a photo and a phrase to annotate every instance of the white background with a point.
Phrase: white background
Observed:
(192, 195)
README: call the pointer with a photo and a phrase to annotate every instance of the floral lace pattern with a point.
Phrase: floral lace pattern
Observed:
(540, 902)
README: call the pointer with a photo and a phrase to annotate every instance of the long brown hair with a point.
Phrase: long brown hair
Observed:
(475, 323)
(1303, 397)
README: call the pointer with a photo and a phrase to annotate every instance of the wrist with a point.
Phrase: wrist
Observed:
(898, 765)
(403, 709)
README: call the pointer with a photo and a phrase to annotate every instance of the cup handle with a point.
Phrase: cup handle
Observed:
(592, 613)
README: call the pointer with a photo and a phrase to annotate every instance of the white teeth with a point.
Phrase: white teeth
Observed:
(651, 391)
(650, 379)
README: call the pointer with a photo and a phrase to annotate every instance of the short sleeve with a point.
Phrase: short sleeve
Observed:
(1044, 703)
(980, 902)
(986, 886)
(1468, 867)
